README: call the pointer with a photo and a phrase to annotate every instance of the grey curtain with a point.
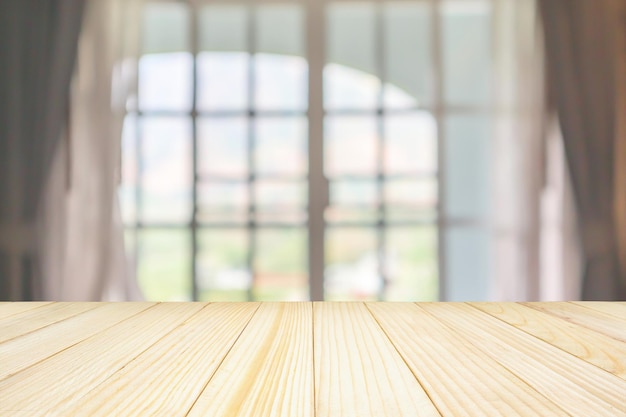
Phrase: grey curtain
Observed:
(38, 41)
(582, 52)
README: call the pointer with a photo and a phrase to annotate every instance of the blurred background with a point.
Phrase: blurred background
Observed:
(288, 150)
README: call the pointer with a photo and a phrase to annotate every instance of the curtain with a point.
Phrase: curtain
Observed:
(619, 188)
(82, 246)
(584, 52)
(518, 163)
(536, 253)
(37, 52)
(560, 252)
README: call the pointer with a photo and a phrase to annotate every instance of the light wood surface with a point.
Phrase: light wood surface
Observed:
(313, 359)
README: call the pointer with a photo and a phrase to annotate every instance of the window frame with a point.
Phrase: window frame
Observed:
(318, 184)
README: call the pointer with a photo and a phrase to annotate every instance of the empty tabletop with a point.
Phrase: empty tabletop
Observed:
(313, 359)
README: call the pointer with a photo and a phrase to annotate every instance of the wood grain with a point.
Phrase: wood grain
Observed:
(30, 320)
(10, 308)
(448, 368)
(74, 372)
(167, 378)
(586, 344)
(607, 324)
(579, 387)
(313, 359)
(31, 348)
(612, 308)
(269, 370)
(358, 372)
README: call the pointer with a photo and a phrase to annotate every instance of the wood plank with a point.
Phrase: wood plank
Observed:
(586, 344)
(167, 378)
(608, 307)
(31, 320)
(580, 388)
(460, 380)
(358, 372)
(65, 377)
(269, 371)
(9, 308)
(24, 351)
(322, 359)
(600, 322)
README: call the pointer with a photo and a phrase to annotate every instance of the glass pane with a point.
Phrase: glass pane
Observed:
(467, 165)
(411, 264)
(275, 217)
(222, 265)
(280, 29)
(281, 201)
(404, 214)
(467, 51)
(467, 264)
(280, 195)
(165, 69)
(223, 28)
(408, 54)
(281, 265)
(223, 147)
(281, 82)
(165, 28)
(222, 217)
(351, 144)
(351, 265)
(349, 89)
(410, 143)
(128, 186)
(223, 81)
(281, 146)
(164, 265)
(280, 67)
(351, 215)
(223, 63)
(166, 169)
(165, 81)
(354, 193)
(223, 202)
(350, 77)
(418, 194)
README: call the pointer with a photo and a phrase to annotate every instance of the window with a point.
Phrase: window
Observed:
(310, 149)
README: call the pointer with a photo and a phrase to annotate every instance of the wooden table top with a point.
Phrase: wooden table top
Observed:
(313, 359)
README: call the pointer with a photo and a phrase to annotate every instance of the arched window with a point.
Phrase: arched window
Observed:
(310, 149)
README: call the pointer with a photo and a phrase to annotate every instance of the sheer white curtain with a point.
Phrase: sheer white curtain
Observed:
(82, 246)
(517, 162)
(561, 258)
(535, 241)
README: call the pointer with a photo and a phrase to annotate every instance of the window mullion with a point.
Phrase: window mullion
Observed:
(380, 126)
(318, 187)
(139, 166)
(252, 226)
(439, 113)
(194, 146)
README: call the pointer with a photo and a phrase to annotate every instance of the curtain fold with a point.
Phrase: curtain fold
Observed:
(37, 52)
(619, 187)
(519, 163)
(583, 55)
(83, 243)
